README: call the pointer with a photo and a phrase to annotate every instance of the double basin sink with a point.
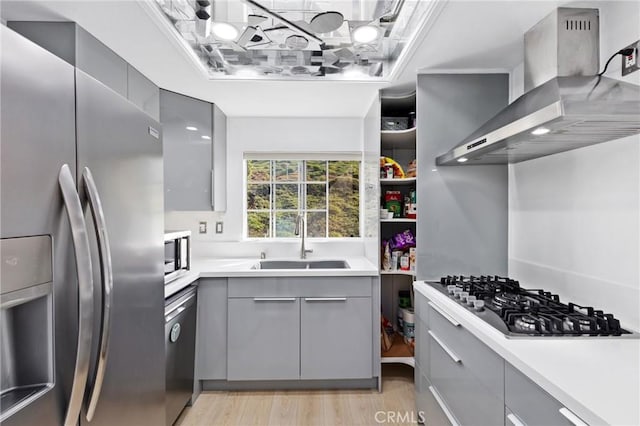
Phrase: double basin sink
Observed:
(301, 264)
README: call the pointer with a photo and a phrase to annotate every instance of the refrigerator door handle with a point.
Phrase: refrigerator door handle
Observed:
(85, 293)
(104, 250)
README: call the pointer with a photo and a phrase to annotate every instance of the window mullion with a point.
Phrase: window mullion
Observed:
(302, 194)
(326, 200)
(272, 195)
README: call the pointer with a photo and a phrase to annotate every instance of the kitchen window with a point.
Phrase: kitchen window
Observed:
(325, 192)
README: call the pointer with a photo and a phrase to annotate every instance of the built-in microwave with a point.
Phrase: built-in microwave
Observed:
(177, 254)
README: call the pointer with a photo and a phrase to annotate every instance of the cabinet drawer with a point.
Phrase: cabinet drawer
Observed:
(300, 287)
(422, 307)
(484, 364)
(465, 396)
(531, 405)
(429, 411)
(422, 345)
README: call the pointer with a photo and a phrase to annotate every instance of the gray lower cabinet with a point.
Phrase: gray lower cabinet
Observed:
(462, 381)
(300, 328)
(466, 398)
(335, 338)
(528, 404)
(429, 410)
(264, 338)
(211, 341)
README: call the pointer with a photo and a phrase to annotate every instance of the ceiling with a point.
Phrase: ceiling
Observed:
(295, 39)
(462, 35)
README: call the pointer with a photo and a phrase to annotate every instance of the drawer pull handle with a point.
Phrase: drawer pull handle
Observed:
(443, 407)
(274, 299)
(444, 314)
(444, 347)
(571, 417)
(515, 421)
(325, 299)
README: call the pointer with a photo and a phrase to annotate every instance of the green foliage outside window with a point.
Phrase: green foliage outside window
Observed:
(327, 193)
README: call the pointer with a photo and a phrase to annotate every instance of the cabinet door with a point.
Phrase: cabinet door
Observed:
(187, 133)
(263, 339)
(211, 344)
(143, 93)
(336, 338)
(219, 160)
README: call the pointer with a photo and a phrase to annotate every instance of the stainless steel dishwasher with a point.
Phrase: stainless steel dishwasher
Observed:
(180, 344)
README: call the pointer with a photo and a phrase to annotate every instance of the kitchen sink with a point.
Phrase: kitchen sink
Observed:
(301, 264)
(328, 264)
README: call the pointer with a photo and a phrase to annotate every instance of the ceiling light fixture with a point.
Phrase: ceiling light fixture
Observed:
(462, 160)
(205, 137)
(191, 128)
(365, 34)
(224, 31)
(540, 131)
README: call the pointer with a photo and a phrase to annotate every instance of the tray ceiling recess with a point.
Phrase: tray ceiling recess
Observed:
(296, 39)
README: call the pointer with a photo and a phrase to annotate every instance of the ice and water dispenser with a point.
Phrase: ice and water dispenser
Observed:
(26, 321)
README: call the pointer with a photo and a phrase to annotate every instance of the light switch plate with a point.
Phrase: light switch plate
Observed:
(218, 227)
(202, 227)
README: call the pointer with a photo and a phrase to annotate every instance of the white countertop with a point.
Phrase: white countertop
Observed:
(358, 266)
(596, 378)
(209, 268)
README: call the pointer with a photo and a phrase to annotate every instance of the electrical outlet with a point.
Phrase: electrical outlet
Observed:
(218, 227)
(630, 62)
(202, 228)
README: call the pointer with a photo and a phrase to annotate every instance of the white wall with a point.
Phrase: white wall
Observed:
(574, 217)
(269, 135)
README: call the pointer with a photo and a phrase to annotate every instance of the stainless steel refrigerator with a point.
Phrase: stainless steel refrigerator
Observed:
(81, 222)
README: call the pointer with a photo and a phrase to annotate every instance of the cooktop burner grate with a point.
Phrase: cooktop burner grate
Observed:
(528, 312)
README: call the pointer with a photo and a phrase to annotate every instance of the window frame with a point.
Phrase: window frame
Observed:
(302, 183)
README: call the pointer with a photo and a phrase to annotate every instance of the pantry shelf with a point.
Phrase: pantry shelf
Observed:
(399, 353)
(398, 181)
(409, 273)
(398, 139)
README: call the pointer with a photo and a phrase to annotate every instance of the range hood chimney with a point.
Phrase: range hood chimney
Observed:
(562, 108)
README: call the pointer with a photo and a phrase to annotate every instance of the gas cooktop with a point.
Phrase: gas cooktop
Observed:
(521, 312)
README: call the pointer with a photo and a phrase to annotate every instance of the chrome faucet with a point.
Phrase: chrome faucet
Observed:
(301, 230)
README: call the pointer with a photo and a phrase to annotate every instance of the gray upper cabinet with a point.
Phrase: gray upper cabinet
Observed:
(462, 217)
(187, 125)
(219, 160)
(76, 46)
(336, 338)
(143, 93)
(72, 43)
(264, 338)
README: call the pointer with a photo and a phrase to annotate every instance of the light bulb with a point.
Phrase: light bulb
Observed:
(224, 31)
(365, 34)
(540, 131)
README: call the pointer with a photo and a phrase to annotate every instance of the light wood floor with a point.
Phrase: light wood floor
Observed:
(306, 408)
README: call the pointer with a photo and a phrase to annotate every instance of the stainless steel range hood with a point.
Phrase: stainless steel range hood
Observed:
(565, 112)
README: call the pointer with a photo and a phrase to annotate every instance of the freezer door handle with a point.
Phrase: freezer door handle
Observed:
(85, 293)
(104, 251)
